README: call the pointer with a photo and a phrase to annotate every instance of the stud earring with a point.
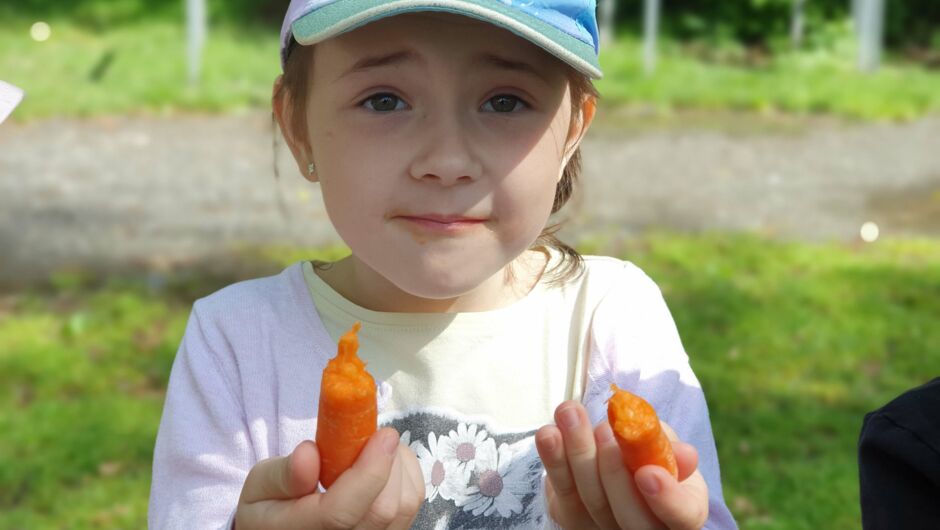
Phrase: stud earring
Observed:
(310, 169)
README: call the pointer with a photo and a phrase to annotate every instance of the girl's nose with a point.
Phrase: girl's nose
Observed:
(447, 154)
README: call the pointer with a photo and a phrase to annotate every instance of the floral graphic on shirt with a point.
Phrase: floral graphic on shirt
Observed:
(474, 476)
(443, 476)
(500, 485)
(467, 446)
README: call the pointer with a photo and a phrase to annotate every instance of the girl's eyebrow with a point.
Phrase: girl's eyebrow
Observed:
(368, 63)
(490, 60)
(512, 65)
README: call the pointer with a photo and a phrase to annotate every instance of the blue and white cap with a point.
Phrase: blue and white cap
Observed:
(566, 29)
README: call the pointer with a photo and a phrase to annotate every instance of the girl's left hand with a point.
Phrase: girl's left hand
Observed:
(589, 487)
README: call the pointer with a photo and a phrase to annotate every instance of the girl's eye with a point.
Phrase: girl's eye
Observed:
(383, 102)
(504, 103)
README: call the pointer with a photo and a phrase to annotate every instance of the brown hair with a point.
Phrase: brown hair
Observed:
(296, 78)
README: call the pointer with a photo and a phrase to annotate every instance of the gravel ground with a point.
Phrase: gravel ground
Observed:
(125, 192)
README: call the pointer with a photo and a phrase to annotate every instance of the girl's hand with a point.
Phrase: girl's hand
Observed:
(383, 489)
(589, 487)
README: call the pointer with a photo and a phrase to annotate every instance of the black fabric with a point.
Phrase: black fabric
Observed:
(899, 462)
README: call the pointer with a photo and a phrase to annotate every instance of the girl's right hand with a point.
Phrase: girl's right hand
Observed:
(384, 488)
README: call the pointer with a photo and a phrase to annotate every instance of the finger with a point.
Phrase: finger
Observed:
(686, 459)
(581, 450)
(561, 493)
(680, 506)
(417, 488)
(670, 433)
(412, 489)
(351, 496)
(686, 454)
(384, 509)
(628, 507)
(286, 477)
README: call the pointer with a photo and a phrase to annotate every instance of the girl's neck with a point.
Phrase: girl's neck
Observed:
(361, 285)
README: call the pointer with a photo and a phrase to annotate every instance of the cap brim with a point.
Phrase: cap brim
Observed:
(343, 15)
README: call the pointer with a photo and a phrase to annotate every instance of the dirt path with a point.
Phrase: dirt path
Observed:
(117, 192)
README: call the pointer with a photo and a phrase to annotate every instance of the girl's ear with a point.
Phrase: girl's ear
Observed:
(281, 103)
(580, 125)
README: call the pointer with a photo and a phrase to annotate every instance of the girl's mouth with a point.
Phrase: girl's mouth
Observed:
(441, 223)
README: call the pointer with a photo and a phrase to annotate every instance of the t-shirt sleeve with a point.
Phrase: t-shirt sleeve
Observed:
(635, 344)
(202, 453)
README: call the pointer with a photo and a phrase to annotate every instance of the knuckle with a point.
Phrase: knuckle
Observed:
(374, 475)
(382, 514)
(555, 512)
(701, 517)
(579, 451)
(412, 503)
(565, 490)
(339, 520)
(596, 505)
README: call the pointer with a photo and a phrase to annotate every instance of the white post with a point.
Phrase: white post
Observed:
(856, 15)
(196, 30)
(869, 26)
(650, 25)
(796, 23)
(607, 10)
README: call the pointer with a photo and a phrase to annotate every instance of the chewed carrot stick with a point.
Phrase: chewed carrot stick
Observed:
(638, 432)
(348, 413)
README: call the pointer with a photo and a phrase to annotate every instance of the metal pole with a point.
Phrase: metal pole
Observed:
(870, 29)
(796, 24)
(196, 30)
(608, 9)
(650, 25)
(856, 14)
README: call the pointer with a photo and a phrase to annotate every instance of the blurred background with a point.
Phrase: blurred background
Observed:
(773, 164)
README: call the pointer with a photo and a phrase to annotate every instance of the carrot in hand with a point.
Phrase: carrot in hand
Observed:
(638, 432)
(348, 413)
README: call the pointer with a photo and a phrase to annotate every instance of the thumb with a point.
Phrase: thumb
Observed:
(678, 505)
(285, 477)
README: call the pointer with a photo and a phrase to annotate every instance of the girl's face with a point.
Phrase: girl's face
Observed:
(438, 141)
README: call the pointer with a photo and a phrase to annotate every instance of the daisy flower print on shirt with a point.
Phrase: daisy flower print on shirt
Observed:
(468, 445)
(499, 485)
(443, 476)
(475, 477)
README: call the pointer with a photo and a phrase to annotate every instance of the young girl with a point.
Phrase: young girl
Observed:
(443, 135)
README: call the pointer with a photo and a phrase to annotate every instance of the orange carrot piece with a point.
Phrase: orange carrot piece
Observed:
(638, 432)
(348, 411)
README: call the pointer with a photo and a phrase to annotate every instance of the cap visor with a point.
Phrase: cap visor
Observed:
(341, 16)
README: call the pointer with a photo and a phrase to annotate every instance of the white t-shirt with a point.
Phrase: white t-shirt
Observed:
(467, 391)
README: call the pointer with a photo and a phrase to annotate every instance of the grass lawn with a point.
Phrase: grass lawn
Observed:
(793, 343)
(141, 67)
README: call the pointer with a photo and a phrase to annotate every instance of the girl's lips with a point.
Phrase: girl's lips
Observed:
(442, 224)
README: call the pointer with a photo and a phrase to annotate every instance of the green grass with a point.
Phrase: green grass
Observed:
(792, 342)
(147, 73)
(812, 82)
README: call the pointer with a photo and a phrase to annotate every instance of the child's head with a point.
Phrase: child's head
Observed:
(442, 141)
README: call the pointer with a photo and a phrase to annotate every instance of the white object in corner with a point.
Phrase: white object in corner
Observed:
(10, 97)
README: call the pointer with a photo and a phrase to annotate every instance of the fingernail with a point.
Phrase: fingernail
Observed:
(569, 418)
(390, 443)
(648, 484)
(605, 436)
(549, 443)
